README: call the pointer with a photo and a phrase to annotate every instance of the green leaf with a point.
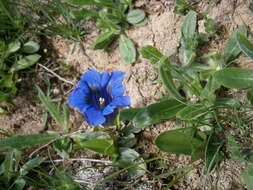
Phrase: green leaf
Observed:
(166, 76)
(250, 96)
(63, 147)
(96, 142)
(104, 40)
(245, 45)
(177, 142)
(82, 2)
(142, 23)
(19, 183)
(52, 109)
(192, 112)
(129, 114)
(127, 157)
(247, 176)
(127, 49)
(189, 25)
(235, 78)
(84, 14)
(151, 53)
(135, 16)
(31, 47)
(24, 141)
(210, 26)
(25, 62)
(14, 46)
(158, 112)
(6, 168)
(31, 164)
(232, 49)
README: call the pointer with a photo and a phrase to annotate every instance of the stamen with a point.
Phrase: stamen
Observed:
(101, 102)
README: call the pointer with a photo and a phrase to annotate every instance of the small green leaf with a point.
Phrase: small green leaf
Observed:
(177, 142)
(25, 62)
(189, 25)
(104, 40)
(235, 78)
(127, 157)
(31, 47)
(151, 53)
(63, 147)
(24, 141)
(232, 49)
(142, 23)
(135, 16)
(127, 49)
(60, 119)
(14, 46)
(250, 96)
(166, 76)
(247, 176)
(158, 112)
(210, 26)
(192, 112)
(84, 14)
(245, 45)
(129, 114)
(19, 184)
(30, 165)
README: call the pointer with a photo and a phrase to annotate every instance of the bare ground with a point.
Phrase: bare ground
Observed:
(163, 32)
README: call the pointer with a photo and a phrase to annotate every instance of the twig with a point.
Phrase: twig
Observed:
(56, 75)
(82, 159)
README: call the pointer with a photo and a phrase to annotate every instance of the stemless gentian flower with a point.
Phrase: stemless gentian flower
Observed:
(98, 95)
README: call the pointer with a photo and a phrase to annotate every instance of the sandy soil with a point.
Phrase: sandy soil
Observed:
(163, 32)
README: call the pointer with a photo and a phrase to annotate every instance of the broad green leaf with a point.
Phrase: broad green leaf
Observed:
(232, 49)
(158, 112)
(135, 16)
(177, 142)
(188, 27)
(127, 141)
(166, 76)
(235, 78)
(151, 53)
(31, 47)
(245, 45)
(14, 46)
(104, 40)
(30, 165)
(247, 176)
(129, 114)
(192, 112)
(24, 141)
(25, 62)
(96, 142)
(250, 96)
(127, 49)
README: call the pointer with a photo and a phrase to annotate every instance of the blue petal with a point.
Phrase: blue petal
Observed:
(92, 78)
(122, 101)
(82, 84)
(105, 77)
(115, 87)
(77, 99)
(94, 116)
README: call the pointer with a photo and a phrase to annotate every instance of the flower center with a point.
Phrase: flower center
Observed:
(101, 102)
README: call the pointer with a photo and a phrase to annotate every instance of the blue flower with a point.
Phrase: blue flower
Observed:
(98, 95)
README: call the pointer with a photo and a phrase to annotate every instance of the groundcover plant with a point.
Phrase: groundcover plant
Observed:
(208, 99)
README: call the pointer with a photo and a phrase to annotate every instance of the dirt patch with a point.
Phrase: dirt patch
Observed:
(163, 32)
